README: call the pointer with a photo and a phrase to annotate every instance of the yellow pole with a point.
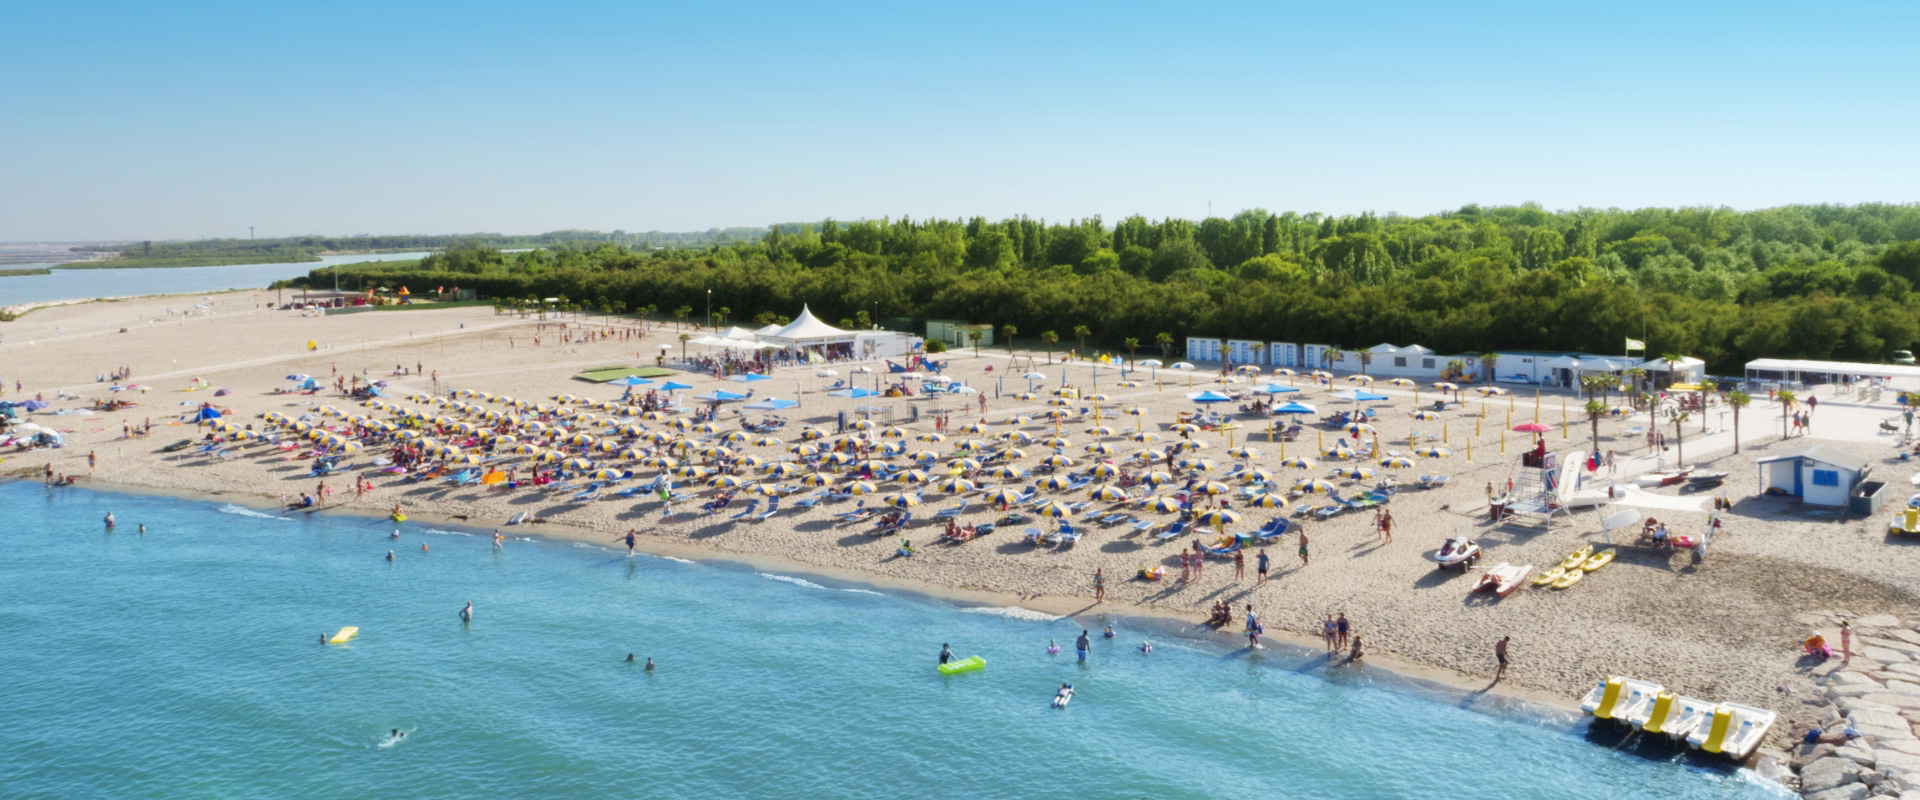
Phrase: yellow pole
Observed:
(1563, 426)
(1503, 443)
(1536, 405)
(1283, 449)
(1469, 449)
(1443, 434)
(1323, 441)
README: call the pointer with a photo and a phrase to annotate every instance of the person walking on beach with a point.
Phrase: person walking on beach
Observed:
(1500, 653)
(1260, 566)
(1099, 585)
(630, 541)
(91, 461)
(1303, 546)
(1082, 645)
(1846, 641)
(1386, 526)
(1253, 628)
(1239, 565)
(1186, 566)
(498, 540)
(1341, 627)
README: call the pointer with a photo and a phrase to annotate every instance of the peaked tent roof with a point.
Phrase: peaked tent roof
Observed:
(807, 326)
(737, 332)
(1660, 365)
(770, 330)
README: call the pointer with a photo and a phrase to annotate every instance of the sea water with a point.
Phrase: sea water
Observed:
(187, 662)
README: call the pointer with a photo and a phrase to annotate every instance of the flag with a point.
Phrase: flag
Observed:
(1635, 344)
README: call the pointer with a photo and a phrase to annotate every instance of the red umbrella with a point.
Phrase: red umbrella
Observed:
(1533, 427)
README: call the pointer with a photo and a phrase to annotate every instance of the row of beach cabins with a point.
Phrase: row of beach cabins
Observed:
(1529, 368)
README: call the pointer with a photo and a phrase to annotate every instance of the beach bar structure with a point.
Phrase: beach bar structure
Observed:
(1772, 371)
(1818, 475)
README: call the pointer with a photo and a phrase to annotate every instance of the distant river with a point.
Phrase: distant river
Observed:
(72, 284)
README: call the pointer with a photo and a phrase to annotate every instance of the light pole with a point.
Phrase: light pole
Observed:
(709, 307)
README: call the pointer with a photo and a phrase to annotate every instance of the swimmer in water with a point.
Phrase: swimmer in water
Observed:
(109, 520)
(323, 640)
(143, 529)
(397, 736)
(466, 614)
(1053, 649)
(395, 534)
(1146, 647)
(1109, 631)
(497, 539)
(423, 547)
(649, 663)
(629, 658)
(389, 556)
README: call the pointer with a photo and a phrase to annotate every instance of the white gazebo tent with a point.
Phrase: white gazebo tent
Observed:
(807, 331)
(1687, 370)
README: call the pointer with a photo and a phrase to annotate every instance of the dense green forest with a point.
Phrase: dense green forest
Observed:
(221, 252)
(1818, 281)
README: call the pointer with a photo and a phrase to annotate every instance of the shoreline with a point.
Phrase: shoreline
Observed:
(1432, 682)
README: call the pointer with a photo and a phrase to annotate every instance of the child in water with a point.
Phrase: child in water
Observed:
(1146, 647)
(1053, 649)
(1109, 631)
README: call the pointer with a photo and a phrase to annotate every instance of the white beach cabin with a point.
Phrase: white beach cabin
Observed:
(1821, 476)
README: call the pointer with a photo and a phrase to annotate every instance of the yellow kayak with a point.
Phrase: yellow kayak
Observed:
(1598, 560)
(1572, 577)
(1579, 557)
(1549, 576)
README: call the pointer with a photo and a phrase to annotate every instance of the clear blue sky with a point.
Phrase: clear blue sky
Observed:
(188, 119)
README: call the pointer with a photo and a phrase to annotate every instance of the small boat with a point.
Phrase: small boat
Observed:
(1549, 576)
(1671, 715)
(397, 517)
(1459, 552)
(1571, 577)
(969, 664)
(1598, 560)
(177, 446)
(1503, 579)
(1619, 698)
(1732, 730)
(1666, 478)
(1706, 479)
(1578, 558)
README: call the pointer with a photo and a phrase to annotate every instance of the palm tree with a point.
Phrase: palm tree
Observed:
(1706, 387)
(1737, 400)
(1049, 337)
(1081, 332)
(1634, 375)
(1592, 383)
(1490, 360)
(1008, 331)
(1133, 349)
(1366, 357)
(1786, 398)
(975, 336)
(1679, 439)
(1595, 410)
(680, 316)
(1258, 348)
(683, 345)
(1165, 340)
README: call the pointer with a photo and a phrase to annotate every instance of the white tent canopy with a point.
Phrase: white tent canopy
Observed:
(1606, 364)
(767, 331)
(807, 329)
(1561, 362)
(737, 333)
(1686, 364)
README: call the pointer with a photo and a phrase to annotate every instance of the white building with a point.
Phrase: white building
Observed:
(1818, 475)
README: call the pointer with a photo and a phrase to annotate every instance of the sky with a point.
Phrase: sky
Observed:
(182, 120)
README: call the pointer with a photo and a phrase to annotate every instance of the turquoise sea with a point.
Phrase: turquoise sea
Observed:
(186, 663)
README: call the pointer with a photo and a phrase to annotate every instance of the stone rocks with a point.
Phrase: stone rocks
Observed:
(1899, 701)
(1828, 773)
(1877, 621)
(1881, 654)
(1903, 687)
(1856, 753)
(1894, 761)
(1851, 791)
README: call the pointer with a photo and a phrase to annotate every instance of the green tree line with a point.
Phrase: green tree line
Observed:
(1815, 281)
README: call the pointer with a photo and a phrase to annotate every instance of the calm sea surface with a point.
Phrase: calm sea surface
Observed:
(70, 284)
(186, 663)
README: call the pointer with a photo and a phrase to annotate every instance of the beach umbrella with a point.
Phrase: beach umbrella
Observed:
(1491, 391)
(1107, 494)
(1620, 411)
(1360, 378)
(954, 485)
(1354, 473)
(655, 416)
(607, 446)
(1055, 509)
(1246, 453)
(1016, 437)
(1058, 414)
(1298, 462)
(690, 472)
(1268, 500)
(764, 488)
(1533, 427)
(1129, 384)
(931, 437)
(1056, 483)
(1258, 476)
(1189, 444)
(536, 426)
(631, 454)
(1056, 442)
(1396, 462)
(1164, 505)
(1156, 478)
(1424, 416)
(660, 462)
(803, 449)
(817, 479)
(971, 444)
(658, 437)
(1337, 451)
(923, 455)
(1434, 452)
(1026, 396)
(812, 433)
(1065, 392)
(1103, 470)
(1402, 382)
(1358, 428)
(1013, 453)
(1096, 398)
(1201, 464)
(580, 440)
(766, 441)
(1005, 497)
(576, 464)
(734, 437)
(963, 464)
(467, 459)
(706, 427)
(891, 449)
(604, 474)
(1017, 419)
(1185, 427)
(1321, 373)
(1007, 473)
(870, 465)
(1218, 517)
(1312, 486)
(1100, 449)
(901, 499)
(1213, 487)
(724, 482)
(1446, 387)
(1247, 369)
(1057, 460)
(892, 432)
(838, 459)
(716, 451)
(783, 469)
(976, 429)
(524, 449)
(1144, 436)
(863, 425)
(1060, 402)
(1100, 430)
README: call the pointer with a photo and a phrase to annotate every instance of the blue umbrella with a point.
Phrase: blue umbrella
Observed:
(749, 377)
(1274, 388)
(1209, 397)
(1358, 396)
(771, 404)
(629, 381)
(672, 385)
(1296, 408)
(853, 393)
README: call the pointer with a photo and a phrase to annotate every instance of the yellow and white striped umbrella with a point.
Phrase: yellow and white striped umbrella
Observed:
(901, 499)
(1055, 509)
(1107, 494)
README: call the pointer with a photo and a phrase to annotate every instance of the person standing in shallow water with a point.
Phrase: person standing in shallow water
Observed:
(466, 614)
(1082, 645)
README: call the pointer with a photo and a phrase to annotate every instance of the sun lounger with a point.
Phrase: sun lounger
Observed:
(773, 507)
(1174, 531)
(752, 506)
(811, 500)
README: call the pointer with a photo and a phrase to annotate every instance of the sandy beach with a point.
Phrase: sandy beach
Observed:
(1728, 628)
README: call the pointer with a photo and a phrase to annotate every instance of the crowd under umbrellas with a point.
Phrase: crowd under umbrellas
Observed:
(1071, 462)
